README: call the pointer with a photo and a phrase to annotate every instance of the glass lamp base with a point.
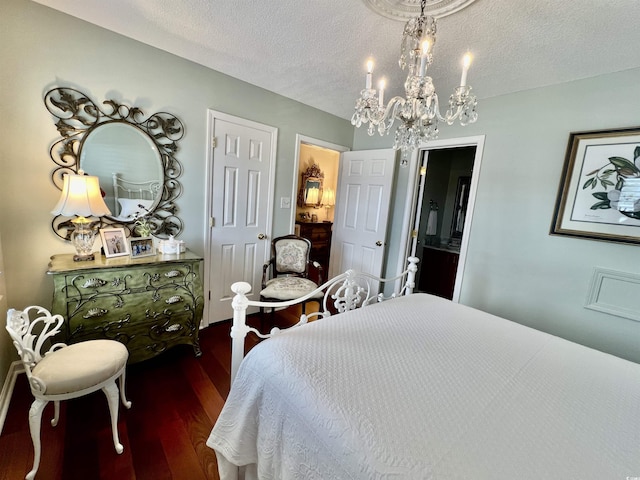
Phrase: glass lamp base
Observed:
(84, 258)
(82, 238)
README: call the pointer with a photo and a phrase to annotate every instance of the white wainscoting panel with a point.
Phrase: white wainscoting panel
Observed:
(616, 293)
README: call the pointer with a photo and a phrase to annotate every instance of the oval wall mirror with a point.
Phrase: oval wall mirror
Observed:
(133, 157)
(129, 166)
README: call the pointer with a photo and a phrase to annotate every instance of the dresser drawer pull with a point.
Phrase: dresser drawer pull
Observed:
(95, 312)
(174, 299)
(173, 274)
(94, 283)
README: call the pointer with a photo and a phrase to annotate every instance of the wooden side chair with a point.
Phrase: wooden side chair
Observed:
(64, 372)
(289, 272)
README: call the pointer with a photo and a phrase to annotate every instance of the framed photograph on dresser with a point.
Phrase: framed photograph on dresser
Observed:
(114, 242)
(141, 247)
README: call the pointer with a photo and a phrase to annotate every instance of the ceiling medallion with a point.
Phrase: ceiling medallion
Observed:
(406, 9)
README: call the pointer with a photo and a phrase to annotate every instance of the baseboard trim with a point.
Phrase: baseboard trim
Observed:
(15, 369)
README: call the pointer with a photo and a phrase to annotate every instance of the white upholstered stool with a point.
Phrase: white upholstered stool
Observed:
(65, 372)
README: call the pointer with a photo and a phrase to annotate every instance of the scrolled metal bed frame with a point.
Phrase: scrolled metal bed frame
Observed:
(347, 291)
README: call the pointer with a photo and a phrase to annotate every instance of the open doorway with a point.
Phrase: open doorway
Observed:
(314, 193)
(408, 239)
(440, 217)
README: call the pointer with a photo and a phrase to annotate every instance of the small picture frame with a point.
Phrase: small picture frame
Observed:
(141, 247)
(114, 242)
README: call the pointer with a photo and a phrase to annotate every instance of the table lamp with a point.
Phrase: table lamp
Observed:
(81, 196)
(313, 195)
(328, 200)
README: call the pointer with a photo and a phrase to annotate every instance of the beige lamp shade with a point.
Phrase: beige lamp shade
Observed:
(328, 197)
(313, 195)
(81, 196)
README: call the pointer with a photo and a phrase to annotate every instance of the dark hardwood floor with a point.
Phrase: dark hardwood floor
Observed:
(176, 400)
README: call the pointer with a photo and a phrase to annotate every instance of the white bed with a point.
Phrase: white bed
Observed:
(422, 388)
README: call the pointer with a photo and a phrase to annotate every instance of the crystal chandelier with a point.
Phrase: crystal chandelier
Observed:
(419, 112)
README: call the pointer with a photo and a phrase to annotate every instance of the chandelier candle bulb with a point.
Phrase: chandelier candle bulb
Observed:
(466, 62)
(423, 57)
(369, 72)
(381, 95)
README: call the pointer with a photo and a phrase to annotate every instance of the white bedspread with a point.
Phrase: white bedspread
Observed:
(421, 388)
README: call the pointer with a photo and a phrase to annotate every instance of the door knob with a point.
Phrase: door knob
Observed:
(379, 243)
(261, 236)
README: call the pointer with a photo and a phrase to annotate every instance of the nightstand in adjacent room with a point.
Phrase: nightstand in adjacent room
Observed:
(319, 233)
(149, 304)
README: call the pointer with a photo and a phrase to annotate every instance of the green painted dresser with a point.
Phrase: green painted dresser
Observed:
(149, 304)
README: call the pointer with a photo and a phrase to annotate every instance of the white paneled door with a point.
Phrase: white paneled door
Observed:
(241, 193)
(362, 209)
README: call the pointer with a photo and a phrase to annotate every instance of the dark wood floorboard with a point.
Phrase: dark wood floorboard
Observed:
(176, 400)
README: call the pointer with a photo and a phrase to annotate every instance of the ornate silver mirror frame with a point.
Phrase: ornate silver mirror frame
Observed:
(78, 116)
(312, 178)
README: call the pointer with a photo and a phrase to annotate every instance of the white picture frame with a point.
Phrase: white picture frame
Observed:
(114, 242)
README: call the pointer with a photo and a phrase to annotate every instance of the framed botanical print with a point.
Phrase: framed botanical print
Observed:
(599, 194)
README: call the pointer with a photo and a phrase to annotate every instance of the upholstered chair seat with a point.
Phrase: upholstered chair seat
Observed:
(64, 372)
(81, 366)
(286, 288)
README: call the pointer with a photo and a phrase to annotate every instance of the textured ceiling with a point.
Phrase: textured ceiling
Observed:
(314, 51)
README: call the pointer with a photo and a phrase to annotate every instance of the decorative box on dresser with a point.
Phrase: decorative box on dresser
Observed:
(320, 235)
(149, 304)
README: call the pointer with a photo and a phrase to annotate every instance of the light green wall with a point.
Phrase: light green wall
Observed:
(514, 268)
(42, 48)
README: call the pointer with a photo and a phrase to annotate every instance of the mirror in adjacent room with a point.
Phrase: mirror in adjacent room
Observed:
(460, 207)
(133, 157)
(310, 194)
